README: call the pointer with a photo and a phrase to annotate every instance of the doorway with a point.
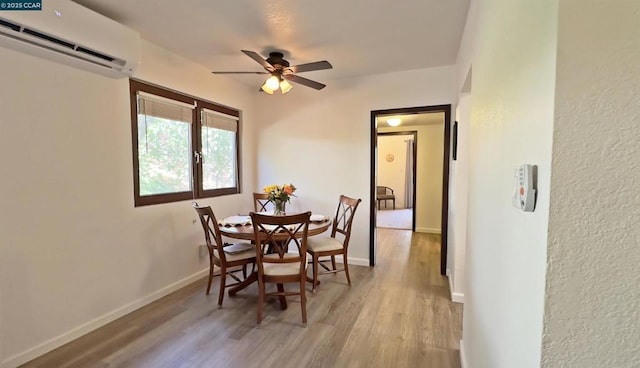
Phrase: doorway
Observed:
(445, 123)
(396, 174)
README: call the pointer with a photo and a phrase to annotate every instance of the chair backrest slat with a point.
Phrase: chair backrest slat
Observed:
(212, 233)
(278, 233)
(383, 190)
(344, 218)
(261, 202)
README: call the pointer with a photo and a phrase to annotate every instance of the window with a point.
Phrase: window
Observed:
(183, 147)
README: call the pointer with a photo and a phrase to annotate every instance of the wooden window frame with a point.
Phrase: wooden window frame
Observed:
(197, 191)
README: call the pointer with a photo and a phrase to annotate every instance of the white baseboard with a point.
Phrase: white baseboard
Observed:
(428, 230)
(463, 356)
(455, 297)
(87, 327)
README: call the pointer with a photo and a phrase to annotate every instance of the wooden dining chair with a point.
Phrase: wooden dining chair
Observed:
(332, 246)
(261, 202)
(230, 258)
(280, 234)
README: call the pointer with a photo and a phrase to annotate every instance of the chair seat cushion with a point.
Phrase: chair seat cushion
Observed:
(236, 256)
(281, 269)
(386, 196)
(322, 244)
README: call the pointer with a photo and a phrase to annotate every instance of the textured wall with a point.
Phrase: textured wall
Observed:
(592, 312)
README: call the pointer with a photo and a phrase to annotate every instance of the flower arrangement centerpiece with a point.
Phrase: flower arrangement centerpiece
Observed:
(279, 195)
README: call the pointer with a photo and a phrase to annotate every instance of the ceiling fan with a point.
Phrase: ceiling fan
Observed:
(281, 72)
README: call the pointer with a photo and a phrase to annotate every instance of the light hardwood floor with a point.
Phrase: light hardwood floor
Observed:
(397, 314)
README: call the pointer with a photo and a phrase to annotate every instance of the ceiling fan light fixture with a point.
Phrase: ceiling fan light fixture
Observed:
(266, 89)
(273, 82)
(275, 65)
(285, 86)
(394, 122)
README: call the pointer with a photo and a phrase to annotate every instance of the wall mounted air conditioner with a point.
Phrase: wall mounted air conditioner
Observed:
(66, 32)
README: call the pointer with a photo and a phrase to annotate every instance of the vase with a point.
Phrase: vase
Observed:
(278, 207)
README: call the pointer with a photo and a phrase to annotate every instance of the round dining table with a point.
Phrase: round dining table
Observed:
(245, 232)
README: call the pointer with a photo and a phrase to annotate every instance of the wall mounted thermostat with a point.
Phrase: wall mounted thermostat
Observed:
(524, 196)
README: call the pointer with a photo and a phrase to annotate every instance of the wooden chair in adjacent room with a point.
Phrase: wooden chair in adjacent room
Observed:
(333, 246)
(385, 194)
(281, 267)
(230, 258)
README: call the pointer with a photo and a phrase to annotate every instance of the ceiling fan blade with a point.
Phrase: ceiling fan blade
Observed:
(259, 59)
(240, 72)
(304, 81)
(318, 65)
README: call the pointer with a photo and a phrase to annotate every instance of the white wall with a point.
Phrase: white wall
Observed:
(512, 50)
(393, 174)
(429, 178)
(321, 140)
(74, 252)
(459, 178)
(592, 303)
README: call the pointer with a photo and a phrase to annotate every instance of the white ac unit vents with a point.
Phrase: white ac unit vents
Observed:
(72, 34)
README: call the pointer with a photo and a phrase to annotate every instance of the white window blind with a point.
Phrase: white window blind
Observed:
(217, 120)
(161, 107)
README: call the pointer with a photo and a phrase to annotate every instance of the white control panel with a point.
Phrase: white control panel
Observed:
(524, 196)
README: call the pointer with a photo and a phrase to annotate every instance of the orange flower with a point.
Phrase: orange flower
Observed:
(289, 189)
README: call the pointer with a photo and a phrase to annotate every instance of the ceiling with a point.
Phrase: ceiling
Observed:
(359, 37)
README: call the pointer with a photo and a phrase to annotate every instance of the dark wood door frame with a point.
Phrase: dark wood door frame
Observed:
(413, 133)
(446, 109)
